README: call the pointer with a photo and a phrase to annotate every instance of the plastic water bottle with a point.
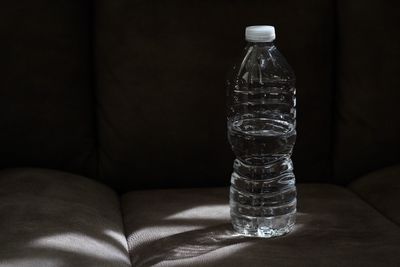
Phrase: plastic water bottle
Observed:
(261, 131)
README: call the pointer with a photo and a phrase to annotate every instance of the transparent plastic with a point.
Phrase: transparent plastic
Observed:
(262, 131)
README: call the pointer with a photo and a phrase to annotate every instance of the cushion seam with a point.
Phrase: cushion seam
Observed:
(124, 228)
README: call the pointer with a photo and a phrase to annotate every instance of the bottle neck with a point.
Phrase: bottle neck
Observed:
(260, 44)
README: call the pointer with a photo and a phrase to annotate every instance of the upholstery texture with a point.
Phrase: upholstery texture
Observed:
(190, 227)
(161, 68)
(51, 218)
(46, 103)
(382, 190)
(368, 128)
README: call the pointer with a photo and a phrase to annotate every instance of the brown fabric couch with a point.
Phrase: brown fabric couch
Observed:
(131, 95)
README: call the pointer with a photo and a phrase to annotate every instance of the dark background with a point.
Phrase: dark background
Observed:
(133, 92)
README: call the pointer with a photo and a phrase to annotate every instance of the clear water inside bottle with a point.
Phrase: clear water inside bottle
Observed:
(261, 140)
(263, 193)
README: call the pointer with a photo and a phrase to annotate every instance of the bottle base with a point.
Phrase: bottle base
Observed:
(265, 227)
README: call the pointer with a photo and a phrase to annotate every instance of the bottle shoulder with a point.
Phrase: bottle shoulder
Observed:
(262, 64)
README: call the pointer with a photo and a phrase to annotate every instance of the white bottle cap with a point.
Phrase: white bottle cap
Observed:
(260, 33)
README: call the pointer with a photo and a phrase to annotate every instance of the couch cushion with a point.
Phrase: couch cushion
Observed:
(190, 227)
(381, 189)
(161, 70)
(46, 104)
(51, 218)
